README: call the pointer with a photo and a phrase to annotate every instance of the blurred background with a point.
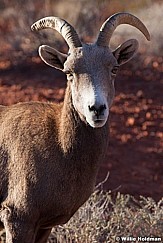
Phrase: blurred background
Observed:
(135, 153)
(16, 18)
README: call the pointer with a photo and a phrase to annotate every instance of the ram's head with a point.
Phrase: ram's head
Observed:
(91, 68)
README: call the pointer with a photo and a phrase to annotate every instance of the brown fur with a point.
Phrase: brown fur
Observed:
(50, 154)
(49, 159)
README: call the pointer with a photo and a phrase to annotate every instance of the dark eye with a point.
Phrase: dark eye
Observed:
(69, 74)
(115, 70)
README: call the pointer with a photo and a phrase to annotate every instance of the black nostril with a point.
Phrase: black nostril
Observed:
(92, 108)
(97, 110)
(102, 108)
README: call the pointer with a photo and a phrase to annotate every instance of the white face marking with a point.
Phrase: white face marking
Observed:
(91, 83)
(91, 103)
(95, 97)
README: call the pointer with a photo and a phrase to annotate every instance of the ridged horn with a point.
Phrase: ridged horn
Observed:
(63, 27)
(111, 24)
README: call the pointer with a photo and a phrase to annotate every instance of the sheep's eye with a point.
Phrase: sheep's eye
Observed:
(115, 70)
(69, 74)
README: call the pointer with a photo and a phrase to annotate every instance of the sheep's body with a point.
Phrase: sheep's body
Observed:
(49, 153)
(50, 160)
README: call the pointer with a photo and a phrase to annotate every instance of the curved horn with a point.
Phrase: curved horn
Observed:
(63, 27)
(111, 24)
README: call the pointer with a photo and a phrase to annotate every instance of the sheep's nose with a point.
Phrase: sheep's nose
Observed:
(98, 110)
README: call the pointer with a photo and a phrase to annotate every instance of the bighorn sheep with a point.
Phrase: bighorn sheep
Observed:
(49, 153)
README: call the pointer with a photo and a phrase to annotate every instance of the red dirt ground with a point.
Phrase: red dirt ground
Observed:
(135, 152)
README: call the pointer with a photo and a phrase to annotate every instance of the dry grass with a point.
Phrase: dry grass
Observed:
(104, 217)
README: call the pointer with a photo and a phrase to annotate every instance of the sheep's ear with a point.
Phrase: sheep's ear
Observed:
(52, 57)
(125, 52)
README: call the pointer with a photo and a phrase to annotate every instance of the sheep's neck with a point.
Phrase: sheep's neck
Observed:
(69, 121)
